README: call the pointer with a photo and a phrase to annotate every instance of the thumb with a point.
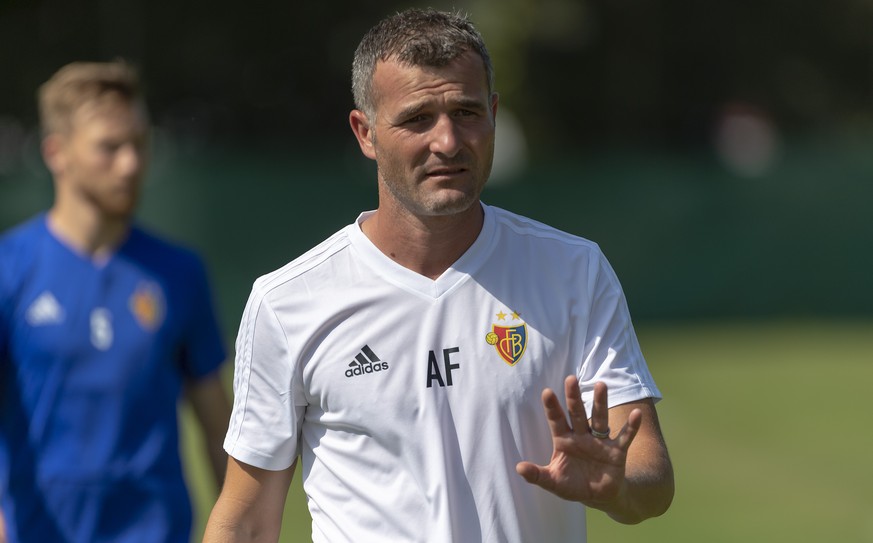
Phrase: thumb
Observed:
(530, 472)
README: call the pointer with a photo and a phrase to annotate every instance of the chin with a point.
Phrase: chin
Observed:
(120, 211)
(452, 206)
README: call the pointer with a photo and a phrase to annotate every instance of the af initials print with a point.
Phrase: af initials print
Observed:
(433, 368)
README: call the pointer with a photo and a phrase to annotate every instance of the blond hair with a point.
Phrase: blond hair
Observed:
(80, 83)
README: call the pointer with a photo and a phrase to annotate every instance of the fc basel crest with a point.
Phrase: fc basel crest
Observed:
(510, 341)
(147, 305)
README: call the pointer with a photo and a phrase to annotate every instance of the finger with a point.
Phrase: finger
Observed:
(555, 413)
(534, 474)
(630, 429)
(600, 409)
(575, 405)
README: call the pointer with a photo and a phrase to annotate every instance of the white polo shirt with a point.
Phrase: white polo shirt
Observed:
(411, 400)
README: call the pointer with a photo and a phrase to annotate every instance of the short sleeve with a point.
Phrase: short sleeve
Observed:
(9, 259)
(6, 306)
(204, 350)
(264, 427)
(612, 352)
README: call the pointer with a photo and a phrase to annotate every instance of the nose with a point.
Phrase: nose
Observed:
(130, 159)
(444, 137)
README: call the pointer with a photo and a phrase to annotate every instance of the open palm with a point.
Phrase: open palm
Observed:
(583, 467)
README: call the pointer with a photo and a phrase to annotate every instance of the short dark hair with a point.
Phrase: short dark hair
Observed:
(418, 37)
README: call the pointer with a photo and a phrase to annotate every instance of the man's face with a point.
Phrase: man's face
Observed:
(101, 162)
(433, 135)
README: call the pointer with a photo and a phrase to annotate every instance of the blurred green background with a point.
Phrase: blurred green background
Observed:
(721, 153)
(768, 427)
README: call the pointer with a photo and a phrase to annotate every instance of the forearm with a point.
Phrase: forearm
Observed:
(218, 463)
(211, 407)
(227, 525)
(647, 487)
(250, 506)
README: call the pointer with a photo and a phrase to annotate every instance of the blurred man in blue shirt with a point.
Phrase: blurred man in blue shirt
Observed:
(103, 328)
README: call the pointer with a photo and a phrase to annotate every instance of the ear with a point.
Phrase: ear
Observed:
(363, 132)
(494, 99)
(53, 153)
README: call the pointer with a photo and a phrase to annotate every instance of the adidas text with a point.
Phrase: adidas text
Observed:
(369, 368)
(366, 361)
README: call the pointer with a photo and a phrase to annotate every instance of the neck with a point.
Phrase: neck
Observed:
(425, 245)
(89, 233)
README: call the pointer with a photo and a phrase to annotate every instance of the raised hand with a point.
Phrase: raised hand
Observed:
(588, 462)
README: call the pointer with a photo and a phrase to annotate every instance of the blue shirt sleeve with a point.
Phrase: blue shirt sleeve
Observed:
(203, 351)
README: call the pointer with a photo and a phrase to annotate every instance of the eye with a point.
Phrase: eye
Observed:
(109, 147)
(416, 119)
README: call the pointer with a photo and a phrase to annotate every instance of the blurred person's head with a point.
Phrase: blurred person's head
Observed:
(95, 131)
(415, 37)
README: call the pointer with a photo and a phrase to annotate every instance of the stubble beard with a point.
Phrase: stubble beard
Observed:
(116, 207)
(412, 195)
(436, 203)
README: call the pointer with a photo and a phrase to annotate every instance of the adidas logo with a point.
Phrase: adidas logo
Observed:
(44, 310)
(365, 361)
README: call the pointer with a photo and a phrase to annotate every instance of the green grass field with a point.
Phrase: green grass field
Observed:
(768, 425)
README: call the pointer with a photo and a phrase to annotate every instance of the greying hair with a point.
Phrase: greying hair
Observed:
(79, 83)
(414, 37)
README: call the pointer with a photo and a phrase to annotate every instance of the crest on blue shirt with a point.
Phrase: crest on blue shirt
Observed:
(147, 305)
(509, 341)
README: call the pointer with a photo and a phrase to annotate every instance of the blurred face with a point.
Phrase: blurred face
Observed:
(100, 163)
(432, 136)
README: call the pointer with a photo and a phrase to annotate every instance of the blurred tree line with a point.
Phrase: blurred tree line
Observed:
(720, 152)
(592, 73)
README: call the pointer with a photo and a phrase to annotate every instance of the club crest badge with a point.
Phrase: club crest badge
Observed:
(147, 305)
(509, 340)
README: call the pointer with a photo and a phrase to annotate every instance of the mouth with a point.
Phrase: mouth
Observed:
(445, 171)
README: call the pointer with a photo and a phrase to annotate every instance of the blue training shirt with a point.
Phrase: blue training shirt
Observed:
(93, 358)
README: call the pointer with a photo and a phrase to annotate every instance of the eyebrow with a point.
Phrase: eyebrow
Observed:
(463, 102)
(410, 111)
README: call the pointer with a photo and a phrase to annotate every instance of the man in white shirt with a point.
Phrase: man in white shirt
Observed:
(405, 358)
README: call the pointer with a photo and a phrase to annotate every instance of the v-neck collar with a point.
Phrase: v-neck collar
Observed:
(469, 262)
(97, 263)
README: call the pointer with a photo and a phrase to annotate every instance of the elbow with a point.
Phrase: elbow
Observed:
(650, 500)
(662, 495)
(661, 505)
